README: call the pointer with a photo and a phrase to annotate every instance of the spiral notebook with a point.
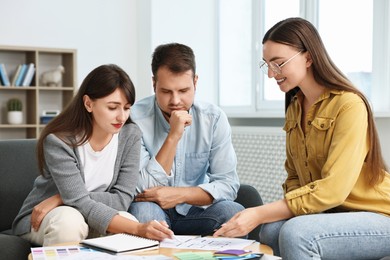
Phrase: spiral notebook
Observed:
(120, 243)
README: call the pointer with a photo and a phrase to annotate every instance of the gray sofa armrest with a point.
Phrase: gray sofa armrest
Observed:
(14, 247)
(18, 170)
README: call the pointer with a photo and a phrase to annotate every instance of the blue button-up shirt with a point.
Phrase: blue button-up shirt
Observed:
(205, 156)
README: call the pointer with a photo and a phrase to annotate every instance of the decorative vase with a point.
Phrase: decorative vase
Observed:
(15, 117)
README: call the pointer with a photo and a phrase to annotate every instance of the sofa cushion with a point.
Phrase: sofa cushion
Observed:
(18, 170)
(14, 247)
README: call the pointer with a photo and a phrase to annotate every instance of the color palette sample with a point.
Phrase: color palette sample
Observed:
(43, 253)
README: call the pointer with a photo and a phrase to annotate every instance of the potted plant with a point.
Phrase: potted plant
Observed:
(15, 115)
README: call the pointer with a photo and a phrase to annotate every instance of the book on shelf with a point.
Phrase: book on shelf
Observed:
(21, 75)
(4, 76)
(16, 74)
(29, 75)
(120, 243)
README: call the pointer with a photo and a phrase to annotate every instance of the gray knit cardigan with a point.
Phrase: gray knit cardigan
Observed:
(64, 175)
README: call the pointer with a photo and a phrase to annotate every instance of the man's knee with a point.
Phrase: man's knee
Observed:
(146, 211)
(269, 235)
(226, 209)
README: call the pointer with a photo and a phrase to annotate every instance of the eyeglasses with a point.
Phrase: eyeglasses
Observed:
(276, 68)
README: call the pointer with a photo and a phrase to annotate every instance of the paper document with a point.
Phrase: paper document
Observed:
(120, 243)
(205, 243)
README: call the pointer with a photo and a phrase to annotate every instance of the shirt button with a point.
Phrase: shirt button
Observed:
(309, 122)
(312, 186)
(322, 125)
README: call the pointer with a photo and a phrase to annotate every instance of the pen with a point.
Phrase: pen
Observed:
(173, 235)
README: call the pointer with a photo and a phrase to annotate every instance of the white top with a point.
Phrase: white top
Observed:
(98, 166)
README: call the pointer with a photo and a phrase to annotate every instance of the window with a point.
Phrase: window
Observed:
(349, 43)
(290, 9)
(357, 41)
(235, 53)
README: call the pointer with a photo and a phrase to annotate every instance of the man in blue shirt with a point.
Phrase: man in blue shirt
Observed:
(188, 172)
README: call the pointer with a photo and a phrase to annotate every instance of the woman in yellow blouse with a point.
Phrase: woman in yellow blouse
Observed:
(337, 192)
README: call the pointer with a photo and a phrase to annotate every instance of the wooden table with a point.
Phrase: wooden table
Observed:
(255, 247)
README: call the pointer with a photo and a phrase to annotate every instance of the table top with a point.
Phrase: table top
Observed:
(255, 247)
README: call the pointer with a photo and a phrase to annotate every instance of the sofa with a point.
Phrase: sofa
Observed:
(18, 170)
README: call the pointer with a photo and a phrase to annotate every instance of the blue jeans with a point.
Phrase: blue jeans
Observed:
(350, 235)
(198, 221)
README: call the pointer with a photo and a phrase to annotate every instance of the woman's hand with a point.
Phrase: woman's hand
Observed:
(40, 210)
(157, 230)
(245, 221)
(240, 224)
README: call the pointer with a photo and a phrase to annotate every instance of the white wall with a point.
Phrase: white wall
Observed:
(125, 32)
(190, 22)
(383, 127)
(102, 31)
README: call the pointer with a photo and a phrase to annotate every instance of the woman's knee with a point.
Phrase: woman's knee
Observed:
(293, 230)
(297, 239)
(65, 224)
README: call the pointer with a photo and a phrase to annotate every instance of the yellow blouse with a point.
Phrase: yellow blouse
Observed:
(325, 165)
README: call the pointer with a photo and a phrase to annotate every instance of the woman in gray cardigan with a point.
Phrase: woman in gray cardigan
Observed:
(89, 161)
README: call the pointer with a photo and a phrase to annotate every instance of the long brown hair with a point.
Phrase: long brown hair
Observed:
(303, 36)
(75, 121)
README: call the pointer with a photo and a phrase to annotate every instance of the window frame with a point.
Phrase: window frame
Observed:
(309, 9)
